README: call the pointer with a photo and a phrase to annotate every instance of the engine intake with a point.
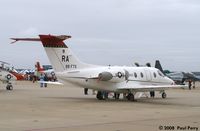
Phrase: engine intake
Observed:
(105, 76)
(114, 76)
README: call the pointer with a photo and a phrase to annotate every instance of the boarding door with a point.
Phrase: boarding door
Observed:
(148, 74)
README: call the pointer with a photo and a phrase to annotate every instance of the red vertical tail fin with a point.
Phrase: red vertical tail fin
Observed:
(60, 56)
(38, 67)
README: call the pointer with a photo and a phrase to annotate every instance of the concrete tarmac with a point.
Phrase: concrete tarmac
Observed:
(65, 108)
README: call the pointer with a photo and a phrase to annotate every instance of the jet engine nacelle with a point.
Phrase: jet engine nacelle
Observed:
(112, 76)
(105, 76)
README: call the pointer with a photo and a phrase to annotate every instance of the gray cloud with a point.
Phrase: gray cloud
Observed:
(116, 32)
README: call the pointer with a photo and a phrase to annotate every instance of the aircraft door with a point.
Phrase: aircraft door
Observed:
(148, 74)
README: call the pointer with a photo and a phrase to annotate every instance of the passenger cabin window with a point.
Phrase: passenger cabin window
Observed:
(154, 74)
(135, 74)
(141, 74)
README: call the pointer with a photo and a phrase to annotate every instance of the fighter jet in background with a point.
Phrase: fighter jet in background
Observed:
(178, 76)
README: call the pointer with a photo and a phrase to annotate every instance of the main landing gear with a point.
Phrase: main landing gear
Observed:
(103, 95)
(99, 95)
(130, 97)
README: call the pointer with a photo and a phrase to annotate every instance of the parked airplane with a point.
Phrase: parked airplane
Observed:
(178, 76)
(42, 70)
(119, 79)
(25, 71)
(49, 72)
(6, 76)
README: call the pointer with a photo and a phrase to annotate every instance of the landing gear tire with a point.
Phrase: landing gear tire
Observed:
(130, 97)
(99, 95)
(116, 96)
(9, 87)
(164, 95)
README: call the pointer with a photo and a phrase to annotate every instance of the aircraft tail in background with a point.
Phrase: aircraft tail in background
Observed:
(158, 66)
(38, 67)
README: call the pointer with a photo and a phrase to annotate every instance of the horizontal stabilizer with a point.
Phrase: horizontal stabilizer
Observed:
(47, 40)
(24, 39)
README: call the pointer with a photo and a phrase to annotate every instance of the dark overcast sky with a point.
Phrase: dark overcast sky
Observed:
(116, 32)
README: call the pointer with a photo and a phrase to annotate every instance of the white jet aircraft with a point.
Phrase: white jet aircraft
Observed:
(118, 79)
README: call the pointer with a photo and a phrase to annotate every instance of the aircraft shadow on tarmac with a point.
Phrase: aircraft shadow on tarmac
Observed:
(155, 101)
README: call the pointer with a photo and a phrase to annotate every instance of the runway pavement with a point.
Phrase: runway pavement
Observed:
(65, 108)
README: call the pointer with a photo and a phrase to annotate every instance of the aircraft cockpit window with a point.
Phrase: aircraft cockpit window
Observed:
(154, 74)
(135, 74)
(141, 74)
(160, 73)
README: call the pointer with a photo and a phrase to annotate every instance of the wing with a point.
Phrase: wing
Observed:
(142, 88)
(50, 82)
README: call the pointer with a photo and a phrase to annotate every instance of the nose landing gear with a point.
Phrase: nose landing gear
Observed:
(164, 95)
(9, 86)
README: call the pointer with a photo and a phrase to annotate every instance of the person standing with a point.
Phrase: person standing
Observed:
(45, 80)
(41, 80)
(189, 84)
(193, 84)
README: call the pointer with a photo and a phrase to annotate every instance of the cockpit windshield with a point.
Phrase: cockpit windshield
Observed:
(160, 73)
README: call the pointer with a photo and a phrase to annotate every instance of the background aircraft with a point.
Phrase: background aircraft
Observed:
(118, 79)
(46, 69)
(6, 75)
(179, 77)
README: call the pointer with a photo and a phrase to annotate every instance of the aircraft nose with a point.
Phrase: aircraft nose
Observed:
(171, 81)
(17, 76)
(13, 77)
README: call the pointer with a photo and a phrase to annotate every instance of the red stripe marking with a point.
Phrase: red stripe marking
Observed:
(53, 41)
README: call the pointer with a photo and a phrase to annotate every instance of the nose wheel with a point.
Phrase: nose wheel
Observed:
(164, 95)
(9, 86)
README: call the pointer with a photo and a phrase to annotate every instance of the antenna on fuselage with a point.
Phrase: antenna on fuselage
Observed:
(148, 64)
(137, 64)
